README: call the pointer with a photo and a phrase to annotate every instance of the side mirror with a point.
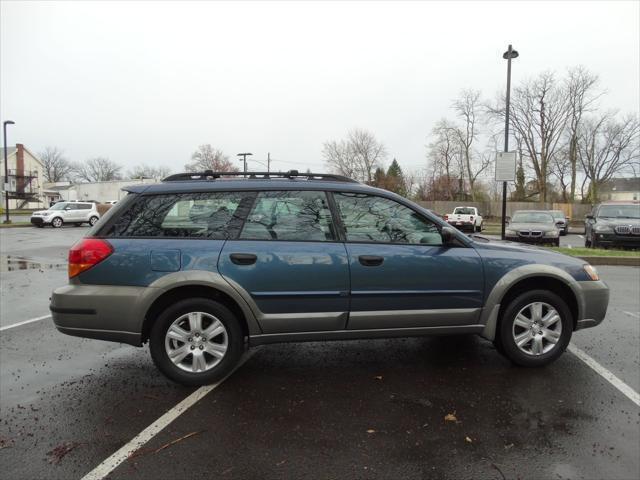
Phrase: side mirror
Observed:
(589, 217)
(448, 235)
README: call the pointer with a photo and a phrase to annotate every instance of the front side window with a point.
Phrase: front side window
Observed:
(368, 218)
(290, 216)
(213, 215)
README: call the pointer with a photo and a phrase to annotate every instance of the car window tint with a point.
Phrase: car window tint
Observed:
(368, 218)
(84, 206)
(214, 215)
(290, 215)
(464, 211)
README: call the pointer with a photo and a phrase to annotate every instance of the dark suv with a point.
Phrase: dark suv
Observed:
(302, 257)
(613, 224)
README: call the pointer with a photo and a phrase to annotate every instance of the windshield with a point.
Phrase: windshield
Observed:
(464, 211)
(59, 206)
(619, 211)
(557, 214)
(531, 217)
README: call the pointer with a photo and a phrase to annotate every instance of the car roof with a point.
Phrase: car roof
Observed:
(186, 186)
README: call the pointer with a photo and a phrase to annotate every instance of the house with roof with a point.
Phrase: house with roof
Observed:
(620, 189)
(24, 182)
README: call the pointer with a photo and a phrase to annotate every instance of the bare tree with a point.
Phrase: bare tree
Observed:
(608, 147)
(356, 157)
(445, 156)
(467, 107)
(561, 168)
(208, 158)
(580, 88)
(538, 115)
(145, 171)
(56, 166)
(98, 169)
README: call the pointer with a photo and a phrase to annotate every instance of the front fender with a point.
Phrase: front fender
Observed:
(489, 315)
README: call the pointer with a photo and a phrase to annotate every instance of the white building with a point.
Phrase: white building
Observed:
(25, 178)
(96, 191)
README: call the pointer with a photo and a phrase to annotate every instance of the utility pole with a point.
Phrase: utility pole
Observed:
(268, 162)
(6, 172)
(508, 55)
(244, 160)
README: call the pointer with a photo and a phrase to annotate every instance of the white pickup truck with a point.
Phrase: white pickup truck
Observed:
(465, 218)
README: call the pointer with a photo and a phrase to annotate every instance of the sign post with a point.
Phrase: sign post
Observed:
(508, 55)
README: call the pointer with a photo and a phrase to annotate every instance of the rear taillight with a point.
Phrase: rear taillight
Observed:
(86, 253)
(446, 217)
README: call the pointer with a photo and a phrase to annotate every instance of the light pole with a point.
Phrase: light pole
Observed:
(508, 55)
(6, 171)
(244, 160)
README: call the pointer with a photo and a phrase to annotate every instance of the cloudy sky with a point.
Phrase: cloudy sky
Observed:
(148, 82)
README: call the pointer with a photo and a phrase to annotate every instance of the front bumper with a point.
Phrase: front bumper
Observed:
(38, 221)
(594, 300)
(532, 240)
(103, 312)
(614, 240)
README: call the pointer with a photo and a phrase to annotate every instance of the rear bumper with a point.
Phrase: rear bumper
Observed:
(595, 300)
(462, 225)
(103, 312)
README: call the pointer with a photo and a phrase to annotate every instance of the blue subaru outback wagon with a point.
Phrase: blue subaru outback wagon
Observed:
(203, 265)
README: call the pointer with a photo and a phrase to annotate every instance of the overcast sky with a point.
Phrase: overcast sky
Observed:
(148, 82)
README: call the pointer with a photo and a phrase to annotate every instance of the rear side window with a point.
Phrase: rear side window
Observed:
(84, 206)
(291, 216)
(464, 211)
(367, 218)
(213, 215)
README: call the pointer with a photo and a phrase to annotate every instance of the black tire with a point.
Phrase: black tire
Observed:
(93, 220)
(587, 241)
(57, 222)
(593, 243)
(235, 341)
(506, 328)
(556, 243)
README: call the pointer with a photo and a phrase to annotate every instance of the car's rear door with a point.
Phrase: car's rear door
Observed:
(401, 274)
(289, 264)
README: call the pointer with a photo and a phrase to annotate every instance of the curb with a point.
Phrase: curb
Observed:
(619, 261)
(15, 225)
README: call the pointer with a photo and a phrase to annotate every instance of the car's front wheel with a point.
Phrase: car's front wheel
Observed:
(196, 341)
(535, 328)
(57, 222)
(93, 220)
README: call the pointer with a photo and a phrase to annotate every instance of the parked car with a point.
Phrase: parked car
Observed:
(66, 212)
(533, 226)
(465, 218)
(562, 221)
(308, 257)
(613, 224)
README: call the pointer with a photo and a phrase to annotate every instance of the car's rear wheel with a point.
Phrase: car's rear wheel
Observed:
(593, 243)
(93, 220)
(57, 222)
(196, 341)
(535, 328)
(587, 241)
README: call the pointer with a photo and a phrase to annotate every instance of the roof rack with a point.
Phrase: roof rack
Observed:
(291, 174)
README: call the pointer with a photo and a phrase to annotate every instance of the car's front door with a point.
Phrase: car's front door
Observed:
(401, 273)
(289, 264)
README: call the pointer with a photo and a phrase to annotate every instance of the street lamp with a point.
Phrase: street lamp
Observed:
(508, 55)
(6, 171)
(244, 159)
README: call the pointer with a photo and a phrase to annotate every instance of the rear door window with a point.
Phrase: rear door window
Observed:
(290, 216)
(213, 215)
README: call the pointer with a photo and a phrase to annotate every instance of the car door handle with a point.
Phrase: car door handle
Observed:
(370, 260)
(243, 258)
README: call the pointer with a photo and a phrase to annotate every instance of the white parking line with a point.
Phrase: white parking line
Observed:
(606, 374)
(111, 463)
(636, 315)
(25, 322)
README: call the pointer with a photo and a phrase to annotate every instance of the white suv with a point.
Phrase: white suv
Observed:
(66, 212)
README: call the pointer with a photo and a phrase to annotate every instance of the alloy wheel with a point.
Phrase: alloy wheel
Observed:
(537, 328)
(196, 342)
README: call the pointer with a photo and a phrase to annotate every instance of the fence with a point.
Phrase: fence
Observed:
(575, 211)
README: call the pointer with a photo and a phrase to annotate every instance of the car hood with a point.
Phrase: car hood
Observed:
(614, 222)
(44, 212)
(544, 227)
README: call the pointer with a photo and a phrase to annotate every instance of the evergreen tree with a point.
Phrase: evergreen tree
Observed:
(395, 179)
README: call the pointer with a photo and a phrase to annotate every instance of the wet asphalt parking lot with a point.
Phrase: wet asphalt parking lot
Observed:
(360, 409)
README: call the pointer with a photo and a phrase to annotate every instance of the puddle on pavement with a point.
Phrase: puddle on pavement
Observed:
(10, 263)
